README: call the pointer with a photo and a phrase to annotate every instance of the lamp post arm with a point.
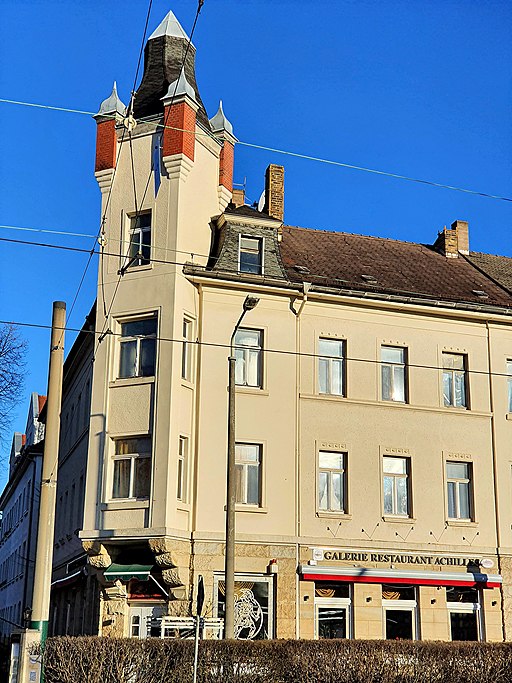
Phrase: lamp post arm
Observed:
(235, 330)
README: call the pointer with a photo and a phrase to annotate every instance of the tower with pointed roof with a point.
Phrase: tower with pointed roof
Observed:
(168, 47)
(164, 172)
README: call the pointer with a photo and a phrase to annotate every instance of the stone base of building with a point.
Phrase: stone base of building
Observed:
(281, 593)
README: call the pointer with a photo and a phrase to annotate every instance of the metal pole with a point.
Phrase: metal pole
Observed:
(44, 551)
(196, 648)
(229, 567)
(229, 574)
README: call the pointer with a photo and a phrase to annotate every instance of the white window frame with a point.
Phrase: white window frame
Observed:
(245, 479)
(394, 476)
(132, 231)
(403, 606)
(392, 365)
(261, 252)
(186, 349)
(247, 352)
(335, 603)
(331, 361)
(330, 471)
(182, 474)
(137, 339)
(453, 373)
(458, 481)
(467, 608)
(132, 457)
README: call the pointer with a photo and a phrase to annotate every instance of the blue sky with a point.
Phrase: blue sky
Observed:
(420, 87)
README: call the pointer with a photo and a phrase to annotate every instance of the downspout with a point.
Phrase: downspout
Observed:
(495, 472)
(195, 432)
(306, 286)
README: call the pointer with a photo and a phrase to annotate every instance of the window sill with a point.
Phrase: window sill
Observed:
(458, 409)
(182, 506)
(508, 416)
(401, 519)
(250, 508)
(187, 383)
(334, 397)
(332, 514)
(257, 391)
(126, 504)
(130, 381)
(461, 522)
(396, 405)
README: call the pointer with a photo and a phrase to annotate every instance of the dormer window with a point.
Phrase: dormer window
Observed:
(251, 255)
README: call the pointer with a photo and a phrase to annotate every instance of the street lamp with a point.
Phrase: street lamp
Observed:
(229, 567)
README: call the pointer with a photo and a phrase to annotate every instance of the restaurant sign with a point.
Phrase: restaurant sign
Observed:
(361, 556)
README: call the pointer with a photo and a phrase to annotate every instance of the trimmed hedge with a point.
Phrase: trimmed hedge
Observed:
(110, 660)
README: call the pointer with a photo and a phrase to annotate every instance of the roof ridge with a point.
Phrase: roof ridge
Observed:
(485, 253)
(356, 234)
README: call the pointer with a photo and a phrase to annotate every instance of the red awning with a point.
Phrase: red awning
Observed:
(427, 578)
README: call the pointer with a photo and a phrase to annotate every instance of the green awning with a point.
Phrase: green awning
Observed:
(125, 572)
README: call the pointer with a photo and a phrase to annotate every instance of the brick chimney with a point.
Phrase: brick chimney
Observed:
(238, 197)
(453, 240)
(274, 192)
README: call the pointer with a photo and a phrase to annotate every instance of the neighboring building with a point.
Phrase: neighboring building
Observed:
(19, 506)
(373, 446)
(74, 597)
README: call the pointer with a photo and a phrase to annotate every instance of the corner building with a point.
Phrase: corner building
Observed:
(373, 456)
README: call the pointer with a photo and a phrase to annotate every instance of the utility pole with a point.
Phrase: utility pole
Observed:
(44, 552)
(229, 566)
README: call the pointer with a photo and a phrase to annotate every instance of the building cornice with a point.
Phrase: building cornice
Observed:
(401, 302)
(227, 217)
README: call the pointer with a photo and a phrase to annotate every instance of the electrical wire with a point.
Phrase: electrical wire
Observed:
(80, 234)
(47, 231)
(280, 352)
(307, 157)
(312, 276)
(103, 219)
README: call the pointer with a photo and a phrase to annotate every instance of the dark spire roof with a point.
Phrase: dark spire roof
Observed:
(163, 57)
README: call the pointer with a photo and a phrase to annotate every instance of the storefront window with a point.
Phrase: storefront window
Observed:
(145, 620)
(253, 606)
(332, 610)
(332, 622)
(463, 603)
(399, 604)
(464, 625)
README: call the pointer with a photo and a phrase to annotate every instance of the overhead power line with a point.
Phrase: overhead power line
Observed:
(46, 231)
(280, 352)
(300, 155)
(150, 259)
(100, 229)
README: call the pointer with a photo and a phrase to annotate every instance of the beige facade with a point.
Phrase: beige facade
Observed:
(360, 515)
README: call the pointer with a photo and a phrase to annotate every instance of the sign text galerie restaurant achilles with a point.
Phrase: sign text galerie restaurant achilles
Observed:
(359, 556)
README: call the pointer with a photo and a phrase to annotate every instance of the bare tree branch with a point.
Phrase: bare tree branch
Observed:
(13, 349)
